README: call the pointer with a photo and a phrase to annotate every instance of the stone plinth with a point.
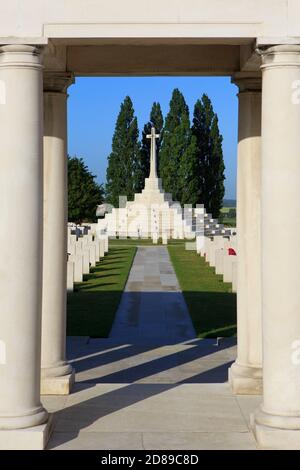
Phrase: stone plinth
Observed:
(33, 438)
(58, 385)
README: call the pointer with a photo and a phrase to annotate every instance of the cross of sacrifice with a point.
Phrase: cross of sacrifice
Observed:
(153, 136)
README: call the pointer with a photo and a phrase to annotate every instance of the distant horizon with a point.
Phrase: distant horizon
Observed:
(94, 104)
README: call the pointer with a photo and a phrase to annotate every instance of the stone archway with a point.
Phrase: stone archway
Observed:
(204, 39)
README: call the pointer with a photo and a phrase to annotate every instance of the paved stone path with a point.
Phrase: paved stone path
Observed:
(149, 389)
(131, 396)
(152, 306)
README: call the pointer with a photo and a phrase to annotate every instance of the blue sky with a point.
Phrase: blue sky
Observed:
(94, 104)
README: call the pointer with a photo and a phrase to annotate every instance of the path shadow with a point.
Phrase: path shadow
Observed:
(148, 368)
(213, 314)
(99, 359)
(80, 416)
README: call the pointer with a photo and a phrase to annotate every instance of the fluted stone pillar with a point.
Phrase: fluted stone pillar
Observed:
(57, 374)
(245, 375)
(22, 417)
(277, 423)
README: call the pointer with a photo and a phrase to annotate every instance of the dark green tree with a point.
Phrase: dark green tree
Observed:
(156, 120)
(189, 168)
(124, 160)
(178, 159)
(210, 156)
(84, 194)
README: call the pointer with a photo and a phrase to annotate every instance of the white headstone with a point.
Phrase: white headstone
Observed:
(155, 238)
(70, 276)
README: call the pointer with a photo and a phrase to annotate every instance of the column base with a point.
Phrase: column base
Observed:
(276, 432)
(32, 418)
(245, 380)
(34, 438)
(60, 369)
(58, 385)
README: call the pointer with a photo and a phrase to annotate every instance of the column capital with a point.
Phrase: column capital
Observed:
(280, 56)
(20, 48)
(21, 56)
(247, 82)
(57, 82)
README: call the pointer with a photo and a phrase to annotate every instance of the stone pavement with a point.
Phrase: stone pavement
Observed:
(151, 397)
(152, 306)
(142, 389)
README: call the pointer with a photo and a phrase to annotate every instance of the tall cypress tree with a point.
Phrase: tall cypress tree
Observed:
(217, 169)
(189, 168)
(156, 120)
(210, 156)
(178, 159)
(170, 151)
(124, 158)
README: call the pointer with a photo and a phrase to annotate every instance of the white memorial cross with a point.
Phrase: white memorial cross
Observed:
(153, 137)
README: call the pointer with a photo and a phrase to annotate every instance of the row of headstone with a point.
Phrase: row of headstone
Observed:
(221, 253)
(85, 248)
(210, 226)
(174, 221)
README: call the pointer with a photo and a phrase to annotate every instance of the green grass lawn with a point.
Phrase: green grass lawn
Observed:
(92, 306)
(211, 303)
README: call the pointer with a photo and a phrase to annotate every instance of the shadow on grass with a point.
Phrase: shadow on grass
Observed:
(92, 312)
(88, 277)
(92, 306)
(94, 303)
(211, 302)
(213, 313)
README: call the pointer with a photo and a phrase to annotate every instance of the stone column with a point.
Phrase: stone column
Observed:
(22, 417)
(57, 374)
(277, 423)
(245, 375)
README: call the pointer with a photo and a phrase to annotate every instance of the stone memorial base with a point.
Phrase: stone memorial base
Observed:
(58, 385)
(34, 438)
